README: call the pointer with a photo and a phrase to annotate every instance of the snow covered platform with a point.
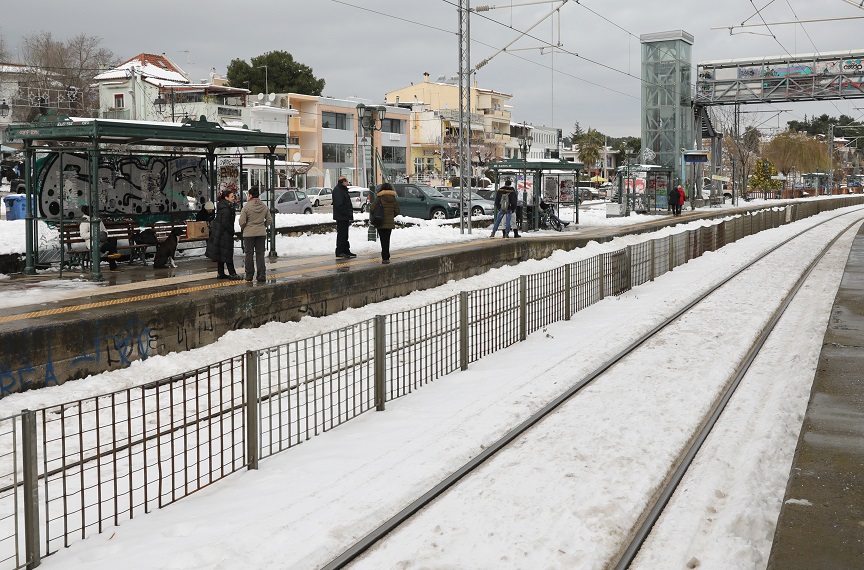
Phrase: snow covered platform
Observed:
(821, 524)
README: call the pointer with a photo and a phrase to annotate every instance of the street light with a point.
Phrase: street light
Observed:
(525, 141)
(4, 109)
(371, 119)
(160, 103)
(266, 85)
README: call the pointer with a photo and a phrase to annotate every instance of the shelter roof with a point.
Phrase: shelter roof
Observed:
(517, 164)
(200, 134)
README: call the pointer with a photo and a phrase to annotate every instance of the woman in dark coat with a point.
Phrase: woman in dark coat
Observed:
(675, 201)
(220, 246)
(387, 197)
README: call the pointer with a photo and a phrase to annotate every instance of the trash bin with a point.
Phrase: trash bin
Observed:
(16, 206)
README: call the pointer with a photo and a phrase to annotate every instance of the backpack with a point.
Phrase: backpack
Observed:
(376, 218)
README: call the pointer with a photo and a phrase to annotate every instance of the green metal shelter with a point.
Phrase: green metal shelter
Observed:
(538, 170)
(55, 133)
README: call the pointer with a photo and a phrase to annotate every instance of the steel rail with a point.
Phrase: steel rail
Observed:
(361, 546)
(687, 459)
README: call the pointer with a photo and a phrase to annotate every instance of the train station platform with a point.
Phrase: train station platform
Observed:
(143, 312)
(821, 523)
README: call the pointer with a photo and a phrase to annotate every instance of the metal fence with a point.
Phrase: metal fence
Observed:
(69, 471)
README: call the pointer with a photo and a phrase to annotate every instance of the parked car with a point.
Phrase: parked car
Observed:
(479, 205)
(320, 196)
(588, 193)
(426, 202)
(361, 198)
(292, 201)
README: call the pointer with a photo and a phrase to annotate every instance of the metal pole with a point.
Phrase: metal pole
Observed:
(463, 330)
(252, 428)
(464, 100)
(29, 447)
(272, 160)
(380, 356)
(523, 307)
(29, 183)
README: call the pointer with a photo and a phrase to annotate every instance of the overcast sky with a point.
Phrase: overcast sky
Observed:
(365, 48)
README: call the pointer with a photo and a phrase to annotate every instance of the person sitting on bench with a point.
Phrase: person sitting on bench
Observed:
(106, 244)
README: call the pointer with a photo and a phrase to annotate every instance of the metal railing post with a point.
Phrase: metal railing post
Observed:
(252, 427)
(463, 330)
(653, 261)
(567, 286)
(602, 276)
(523, 307)
(628, 255)
(29, 449)
(671, 252)
(380, 356)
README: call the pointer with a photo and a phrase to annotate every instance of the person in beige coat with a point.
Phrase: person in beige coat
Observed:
(387, 198)
(254, 221)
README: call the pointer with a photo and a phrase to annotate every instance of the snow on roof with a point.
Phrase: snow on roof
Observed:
(157, 67)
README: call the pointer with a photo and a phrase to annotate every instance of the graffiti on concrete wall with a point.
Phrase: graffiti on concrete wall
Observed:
(104, 349)
(127, 185)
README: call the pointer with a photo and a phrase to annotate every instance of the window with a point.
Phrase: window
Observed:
(335, 152)
(393, 126)
(393, 154)
(341, 121)
(118, 101)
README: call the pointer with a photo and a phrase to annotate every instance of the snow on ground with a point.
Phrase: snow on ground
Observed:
(306, 504)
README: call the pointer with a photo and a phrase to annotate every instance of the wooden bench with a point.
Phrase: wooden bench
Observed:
(76, 249)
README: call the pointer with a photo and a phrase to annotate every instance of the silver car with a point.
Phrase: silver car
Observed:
(480, 206)
(320, 196)
(292, 201)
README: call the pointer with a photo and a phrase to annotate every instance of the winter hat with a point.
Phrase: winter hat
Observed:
(209, 206)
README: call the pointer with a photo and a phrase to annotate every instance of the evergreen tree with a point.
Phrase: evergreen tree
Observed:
(761, 179)
(276, 72)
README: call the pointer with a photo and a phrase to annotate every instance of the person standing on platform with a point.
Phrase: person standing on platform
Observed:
(505, 203)
(387, 197)
(255, 218)
(683, 198)
(675, 201)
(343, 213)
(220, 246)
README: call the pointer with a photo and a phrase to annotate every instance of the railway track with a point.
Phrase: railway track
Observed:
(719, 388)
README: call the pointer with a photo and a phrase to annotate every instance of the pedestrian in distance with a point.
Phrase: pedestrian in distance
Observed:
(255, 218)
(387, 198)
(343, 213)
(206, 213)
(675, 202)
(683, 198)
(107, 245)
(220, 246)
(505, 203)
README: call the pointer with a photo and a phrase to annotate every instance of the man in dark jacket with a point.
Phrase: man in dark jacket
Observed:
(675, 201)
(505, 202)
(343, 213)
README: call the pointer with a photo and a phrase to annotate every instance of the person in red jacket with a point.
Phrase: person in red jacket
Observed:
(683, 198)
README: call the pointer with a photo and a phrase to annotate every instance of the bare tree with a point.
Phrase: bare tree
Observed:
(4, 51)
(741, 141)
(60, 74)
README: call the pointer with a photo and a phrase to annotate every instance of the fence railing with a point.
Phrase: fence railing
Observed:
(69, 471)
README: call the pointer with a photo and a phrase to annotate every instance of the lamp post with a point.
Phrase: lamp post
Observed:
(160, 103)
(371, 119)
(266, 84)
(524, 147)
(629, 175)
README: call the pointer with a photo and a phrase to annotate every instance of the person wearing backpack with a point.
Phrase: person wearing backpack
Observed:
(386, 200)
(505, 203)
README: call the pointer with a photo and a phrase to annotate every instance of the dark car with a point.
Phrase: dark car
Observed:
(426, 202)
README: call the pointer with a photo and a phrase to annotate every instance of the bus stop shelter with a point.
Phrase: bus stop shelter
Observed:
(550, 180)
(95, 142)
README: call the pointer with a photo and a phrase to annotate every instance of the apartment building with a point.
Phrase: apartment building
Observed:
(435, 125)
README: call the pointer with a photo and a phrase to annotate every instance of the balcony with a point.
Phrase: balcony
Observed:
(303, 124)
(117, 113)
(308, 155)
